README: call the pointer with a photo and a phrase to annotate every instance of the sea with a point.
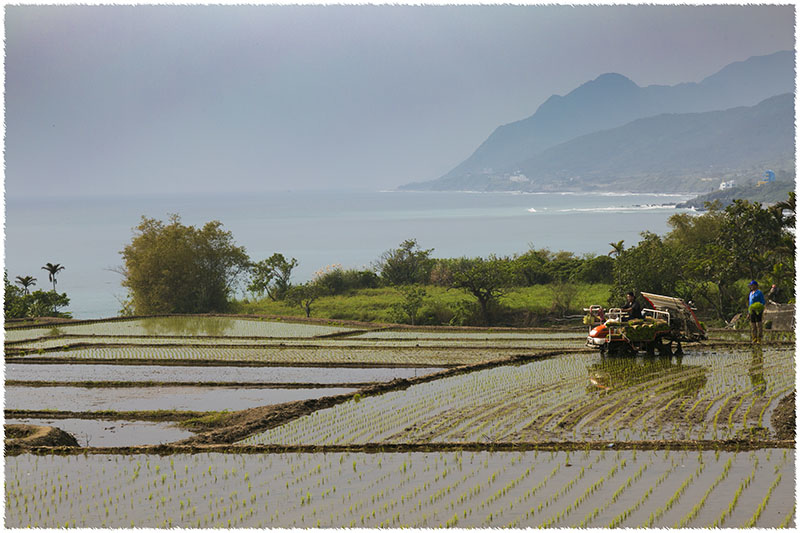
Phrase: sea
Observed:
(319, 229)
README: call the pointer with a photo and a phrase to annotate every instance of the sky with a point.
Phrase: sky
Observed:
(105, 100)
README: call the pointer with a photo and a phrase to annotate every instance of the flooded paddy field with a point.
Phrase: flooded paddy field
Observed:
(201, 374)
(574, 397)
(172, 326)
(455, 489)
(112, 433)
(178, 398)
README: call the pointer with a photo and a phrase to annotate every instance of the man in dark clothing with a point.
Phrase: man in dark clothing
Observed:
(633, 307)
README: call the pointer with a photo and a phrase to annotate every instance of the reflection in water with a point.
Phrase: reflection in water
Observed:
(213, 326)
(756, 371)
(667, 373)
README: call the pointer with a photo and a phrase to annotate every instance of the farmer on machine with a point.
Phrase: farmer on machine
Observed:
(632, 306)
(755, 308)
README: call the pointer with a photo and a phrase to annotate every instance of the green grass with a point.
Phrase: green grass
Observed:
(375, 305)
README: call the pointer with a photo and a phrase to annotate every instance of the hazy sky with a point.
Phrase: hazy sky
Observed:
(116, 99)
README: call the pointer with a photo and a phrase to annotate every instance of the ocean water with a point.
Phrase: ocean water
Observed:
(86, 234)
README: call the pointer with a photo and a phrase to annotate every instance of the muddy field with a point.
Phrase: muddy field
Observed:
(352, 425)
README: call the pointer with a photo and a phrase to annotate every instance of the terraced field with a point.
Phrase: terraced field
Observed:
(365, 426)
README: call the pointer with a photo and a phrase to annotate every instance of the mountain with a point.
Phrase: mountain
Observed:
(610, 101)
(670, 152)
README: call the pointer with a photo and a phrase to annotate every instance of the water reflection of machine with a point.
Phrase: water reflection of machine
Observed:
(669, 373)
(668, 320)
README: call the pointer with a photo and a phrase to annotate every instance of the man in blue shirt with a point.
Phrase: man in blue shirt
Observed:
(756, 327)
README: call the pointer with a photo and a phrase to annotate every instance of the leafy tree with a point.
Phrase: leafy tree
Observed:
(595, 270)
(272, 276)
(563, 266)
(531, 267)
(563, 294)
(172, 268)
(651, 266)
(305, 294)
(406, 265)
(25, 282)
(52, 270)
(408, 308)
(752, 235)
(485, 279)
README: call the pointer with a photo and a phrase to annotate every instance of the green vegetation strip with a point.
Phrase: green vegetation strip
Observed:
(664, 445)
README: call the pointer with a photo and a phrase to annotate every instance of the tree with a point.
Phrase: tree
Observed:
(616, 248)
(172, 268)
(752, 235)
(25, 282)
(406, 265)
(272, 276)
(52, 270)
(790, 205)
(304, 295)
(485, 279)
(408, 308)
(652, 265)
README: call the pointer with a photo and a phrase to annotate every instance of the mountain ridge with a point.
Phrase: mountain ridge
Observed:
(609, 101)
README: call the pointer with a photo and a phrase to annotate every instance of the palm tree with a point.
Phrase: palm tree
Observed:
(26, 281)
(617, 248)
(52, 271)
(787, 205)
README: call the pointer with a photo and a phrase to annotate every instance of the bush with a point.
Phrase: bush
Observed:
(435, 314)
(335, 280)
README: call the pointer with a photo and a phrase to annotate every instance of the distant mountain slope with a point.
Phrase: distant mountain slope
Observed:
(610, 101)
(671, 145)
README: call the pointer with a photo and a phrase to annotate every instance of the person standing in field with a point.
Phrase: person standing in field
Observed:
(755, 309)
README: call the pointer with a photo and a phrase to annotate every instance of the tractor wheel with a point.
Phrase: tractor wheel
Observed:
(664, 346)
(620, 348)
(650, 348)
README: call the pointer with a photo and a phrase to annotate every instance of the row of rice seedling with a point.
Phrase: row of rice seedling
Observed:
(287, 355)
(557, 398)
(92, 373)
(345, 342)
(181, 326)
(457, 489)
(473, 335)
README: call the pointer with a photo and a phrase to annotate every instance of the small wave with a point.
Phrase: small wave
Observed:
(618, 209)
(531, 210)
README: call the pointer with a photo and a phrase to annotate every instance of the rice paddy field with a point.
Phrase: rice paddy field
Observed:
(241, 422)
